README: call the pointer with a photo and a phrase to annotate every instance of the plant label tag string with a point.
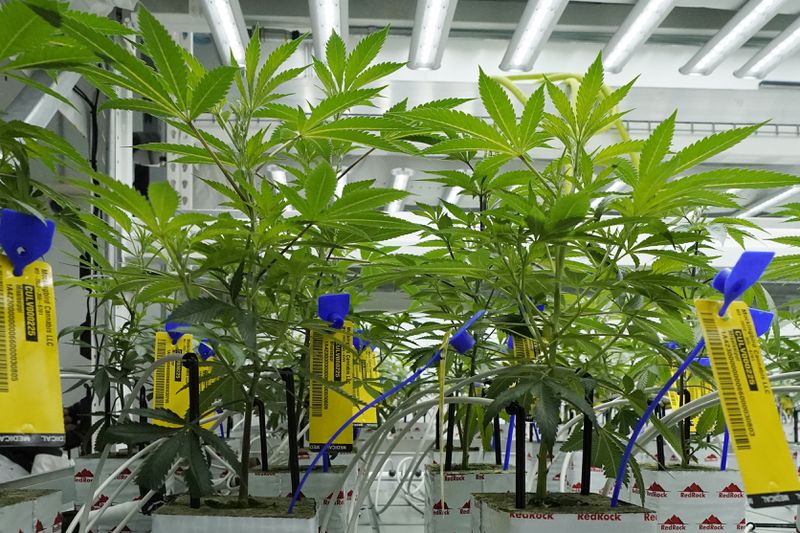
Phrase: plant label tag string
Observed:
(170, 381)
(331, 361)
(748, 404)
(29, 366)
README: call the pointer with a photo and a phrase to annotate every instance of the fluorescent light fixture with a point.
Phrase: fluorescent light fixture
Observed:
(533, 31)
(277, 174)
(454, 195)
(227, 25)
(401, 177)
(327, 16)
(781, 47)
(746, 23)
(771, 202)
(643, 19)
(616, 186)
(432, 21)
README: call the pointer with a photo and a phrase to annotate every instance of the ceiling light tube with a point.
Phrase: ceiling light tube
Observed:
(769, 57)
(228, 28)
(432, 21)
(454, 195)
(533, 31)
(771, 202)
(401, 178)
(644, 18)
(327, 16)
(744, 24)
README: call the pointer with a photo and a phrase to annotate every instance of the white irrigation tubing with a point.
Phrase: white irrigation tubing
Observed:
(564, 468)
(390, 422)
(76, 375)
(698, 405)
(377, 498)
(410, 491)
(141, 503)
(416, 459)
(93, 494)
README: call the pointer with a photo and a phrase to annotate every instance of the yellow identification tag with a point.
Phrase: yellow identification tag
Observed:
(170, 389)
(30, 381)
(364, 371)
(768, 471)
(331, 361)
(524, 348)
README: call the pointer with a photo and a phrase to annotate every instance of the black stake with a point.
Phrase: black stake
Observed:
(448, 446)
(192, 365)
(142, 405)
(795, 425)
(519, 434)
(498, 456)
(291, 416)
(586, 459)
(262, 432)
(437, 443)
(687, 422)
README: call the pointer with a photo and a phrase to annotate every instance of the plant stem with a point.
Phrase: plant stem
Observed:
(541, 470)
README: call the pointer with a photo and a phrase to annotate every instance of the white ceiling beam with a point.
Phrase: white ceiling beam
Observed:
(33, 106)
(642, 21)
(454, 195)
(744, 24)
(534, 29)
(327, 17)
(432, 21)
(771, 202)
(228, 28)
(780, 48)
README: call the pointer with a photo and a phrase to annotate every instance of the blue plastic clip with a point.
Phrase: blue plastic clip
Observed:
(358, 343)
(733, 282)
(461, 340)
(24, 238)
(172, 330)
(333, 308)
(205, 350)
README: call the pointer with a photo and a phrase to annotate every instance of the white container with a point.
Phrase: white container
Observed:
(454, 514)
(30, 511)
(694, 500)
(333, 493)
(487, 519)
(226, 522)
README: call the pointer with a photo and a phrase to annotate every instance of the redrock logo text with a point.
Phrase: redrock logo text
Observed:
(741, 525)
(656, 491)
(693, 491)
(465, 509)
(440, 508)
(453, 477)
(600, 517)
(533, 516)
(84, 476)
(731, 491)
(712, 523)
(673, 523)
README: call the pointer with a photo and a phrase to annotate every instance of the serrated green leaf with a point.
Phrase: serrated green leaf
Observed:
(589, 90)
(656, 147)
(49, 57)
(211, 89)
(338, 103)
(375, 72)
(166, 55)
(708, 147)
(498, 105)
(198, 473)
(320, 187)
(20, 29)
(164, 199)
(363, 54)
(531, 117)
(252, 56)
(336, 57)
(156, 466)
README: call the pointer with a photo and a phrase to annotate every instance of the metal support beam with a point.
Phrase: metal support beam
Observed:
(33, 106)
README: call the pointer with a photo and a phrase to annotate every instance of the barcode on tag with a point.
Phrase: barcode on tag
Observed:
(737, 419)
(3, 342)
(161, 385)
(318, 372)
